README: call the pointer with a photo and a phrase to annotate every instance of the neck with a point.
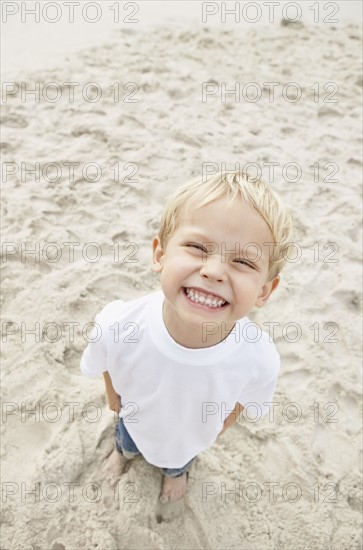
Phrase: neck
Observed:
(195, 338)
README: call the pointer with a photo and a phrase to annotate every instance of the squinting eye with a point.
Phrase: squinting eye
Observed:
(243, 262)
(197, 246)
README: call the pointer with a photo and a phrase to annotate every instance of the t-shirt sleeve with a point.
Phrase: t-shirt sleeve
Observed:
(255, 399)
(94, 358)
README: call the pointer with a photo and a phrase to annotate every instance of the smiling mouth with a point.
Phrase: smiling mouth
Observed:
(208, 300)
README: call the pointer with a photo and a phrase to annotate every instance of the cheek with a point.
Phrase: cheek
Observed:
(247, 284)
(181, 263)
(176, 270)
(171, 273)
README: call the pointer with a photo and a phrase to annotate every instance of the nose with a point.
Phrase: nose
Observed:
(213, 268)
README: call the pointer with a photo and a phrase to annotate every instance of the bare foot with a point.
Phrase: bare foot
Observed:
(114, 467)
(174, 488)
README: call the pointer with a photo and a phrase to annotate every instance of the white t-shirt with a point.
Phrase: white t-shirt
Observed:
(176, 399)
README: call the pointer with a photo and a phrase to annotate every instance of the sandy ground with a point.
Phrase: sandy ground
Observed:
(309, 452)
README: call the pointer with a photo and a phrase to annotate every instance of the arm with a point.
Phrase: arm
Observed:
(231, 418)
(114, 400)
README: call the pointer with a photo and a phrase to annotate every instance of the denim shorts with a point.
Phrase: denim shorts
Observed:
(126, 446)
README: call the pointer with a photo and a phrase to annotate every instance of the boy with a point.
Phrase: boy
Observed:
(178, 360)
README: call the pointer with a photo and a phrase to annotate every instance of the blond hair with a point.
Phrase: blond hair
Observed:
(200, 192)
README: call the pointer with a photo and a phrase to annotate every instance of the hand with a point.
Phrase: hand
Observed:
(115, 405)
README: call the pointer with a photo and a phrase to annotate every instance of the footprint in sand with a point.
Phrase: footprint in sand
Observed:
(354, 232)
(288, 131)
(324, 445)
(295, 25)
(33, 435)
(329, 112)
(348, 414)
(350, 298)
(338, 421)
(6, 147)
(71, 358)
(14, 121)
(54, 535)
(297, 377)
(99, 135)
(122, 237)
(355, 162)
(354, 499)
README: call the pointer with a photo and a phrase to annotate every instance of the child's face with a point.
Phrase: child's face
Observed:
(209, 250)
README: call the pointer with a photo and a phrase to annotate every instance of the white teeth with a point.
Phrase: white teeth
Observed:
(208, 300)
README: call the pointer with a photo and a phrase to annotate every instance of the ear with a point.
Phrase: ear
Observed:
(158, 255)
(266, 291)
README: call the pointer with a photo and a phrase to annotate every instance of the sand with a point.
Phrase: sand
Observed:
(309, 452)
